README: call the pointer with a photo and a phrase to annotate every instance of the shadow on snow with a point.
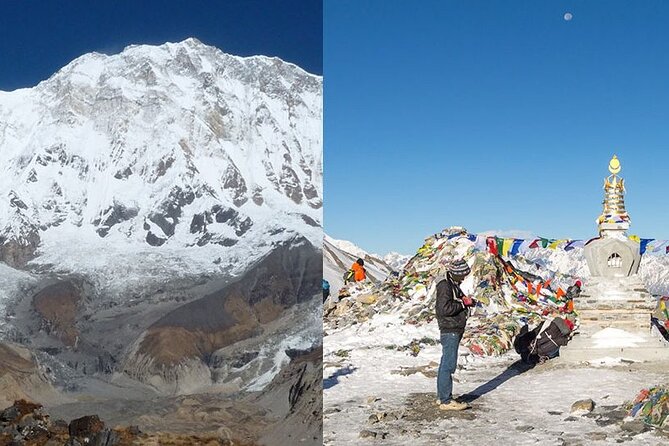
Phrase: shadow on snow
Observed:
(333, 379)
(511, 371)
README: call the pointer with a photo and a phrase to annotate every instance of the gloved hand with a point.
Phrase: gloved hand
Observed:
(468, 301)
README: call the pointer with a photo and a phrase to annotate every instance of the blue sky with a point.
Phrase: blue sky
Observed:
(492, 115)
(39, 37)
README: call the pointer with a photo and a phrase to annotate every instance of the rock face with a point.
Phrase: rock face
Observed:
(20, 377)
(17, 251)
(57, 305)
(296, 397)
(174, 353)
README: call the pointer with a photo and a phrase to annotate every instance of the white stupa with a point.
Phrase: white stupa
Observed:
(615, 307)
(613, 254)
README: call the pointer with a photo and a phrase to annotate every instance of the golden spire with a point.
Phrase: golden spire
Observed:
(614, 203)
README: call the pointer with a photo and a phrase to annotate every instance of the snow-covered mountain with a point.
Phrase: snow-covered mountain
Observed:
(396, 260)
(166, 189)
(175, 146)
(339, 255)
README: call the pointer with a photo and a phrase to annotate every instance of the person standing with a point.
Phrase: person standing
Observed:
(452, 311)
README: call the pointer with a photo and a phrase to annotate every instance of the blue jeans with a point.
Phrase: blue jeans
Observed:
(449, 360)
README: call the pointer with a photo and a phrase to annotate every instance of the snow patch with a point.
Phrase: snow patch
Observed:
(614, 337)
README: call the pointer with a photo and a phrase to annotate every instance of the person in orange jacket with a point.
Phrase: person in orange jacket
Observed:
(357, 273)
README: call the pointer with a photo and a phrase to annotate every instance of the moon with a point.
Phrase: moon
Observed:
(568, 16)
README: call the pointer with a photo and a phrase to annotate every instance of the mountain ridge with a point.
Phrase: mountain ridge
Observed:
(176, 144)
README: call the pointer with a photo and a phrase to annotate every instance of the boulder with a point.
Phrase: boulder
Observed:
(86, 427)
(18, 410)
(367, 299)
(581, 407)
(106, 437)
(634, 427)
(367, 434)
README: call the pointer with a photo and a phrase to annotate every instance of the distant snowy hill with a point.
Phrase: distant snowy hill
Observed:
(396, 260)
(339, 255)
(654, 269)
(178, 146)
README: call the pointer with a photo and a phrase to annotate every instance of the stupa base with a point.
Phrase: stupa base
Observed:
(614, 314)
(614, 343)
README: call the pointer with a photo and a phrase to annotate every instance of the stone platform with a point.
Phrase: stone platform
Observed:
(641, 347)
(614, 315)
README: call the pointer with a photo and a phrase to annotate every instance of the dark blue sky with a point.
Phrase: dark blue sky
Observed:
(492, 115)
(39, 37)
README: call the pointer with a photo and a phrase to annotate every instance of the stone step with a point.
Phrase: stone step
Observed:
(592, 324)
(617, 295)
(649, 346)
(647, 307)
(640, 354)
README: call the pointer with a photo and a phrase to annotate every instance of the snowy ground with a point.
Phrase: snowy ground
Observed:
(377, 394)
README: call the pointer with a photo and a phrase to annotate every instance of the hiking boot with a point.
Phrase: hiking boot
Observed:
(458, 399)
(453, 405)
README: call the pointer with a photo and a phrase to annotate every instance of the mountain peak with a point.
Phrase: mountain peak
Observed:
(177, 144)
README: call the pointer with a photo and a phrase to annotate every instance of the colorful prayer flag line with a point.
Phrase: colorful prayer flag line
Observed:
(513, 246)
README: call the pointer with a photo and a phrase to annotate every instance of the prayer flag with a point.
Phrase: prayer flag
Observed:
(659, 245)
(516, 246)
(643, 244)
(569, 246)
(500, 244)
(506, 246)
(492, 245)
(554, 244)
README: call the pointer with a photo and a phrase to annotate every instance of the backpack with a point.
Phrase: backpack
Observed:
(349, 276)
(551, 336)
(524, 340)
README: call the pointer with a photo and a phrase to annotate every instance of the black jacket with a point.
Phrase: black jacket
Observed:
(451, 313)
